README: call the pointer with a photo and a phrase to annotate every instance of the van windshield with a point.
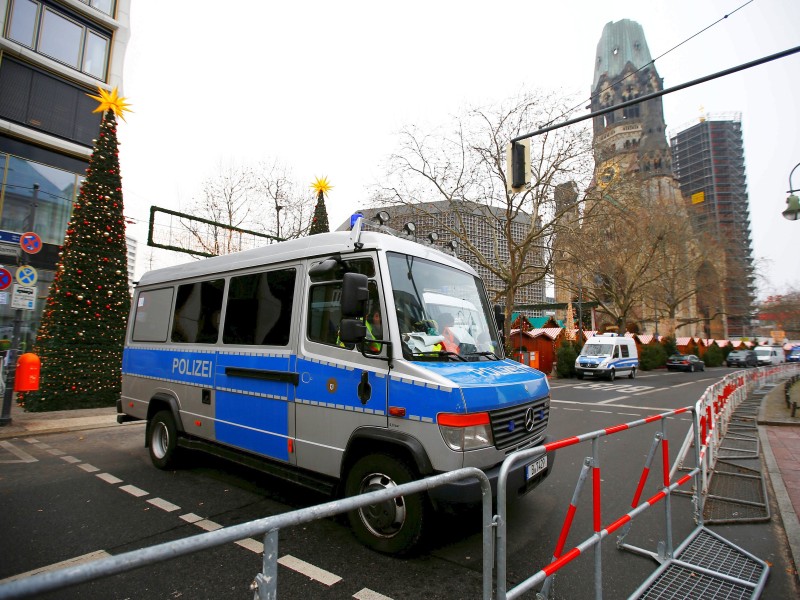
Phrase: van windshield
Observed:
(596, 350)
(443, 313)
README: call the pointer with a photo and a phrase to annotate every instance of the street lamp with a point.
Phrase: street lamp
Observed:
(792, 212)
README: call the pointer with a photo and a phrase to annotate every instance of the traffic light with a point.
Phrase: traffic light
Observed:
(518, 159)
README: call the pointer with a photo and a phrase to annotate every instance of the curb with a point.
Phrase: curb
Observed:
(791, 524)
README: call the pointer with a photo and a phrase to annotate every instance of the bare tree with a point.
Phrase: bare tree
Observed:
(262, 199)
(462, 171)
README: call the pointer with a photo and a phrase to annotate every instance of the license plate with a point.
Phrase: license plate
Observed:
(536, 467)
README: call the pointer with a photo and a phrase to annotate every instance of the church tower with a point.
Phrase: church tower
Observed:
(633, 167)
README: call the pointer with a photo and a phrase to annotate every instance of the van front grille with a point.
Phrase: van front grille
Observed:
(509, 424)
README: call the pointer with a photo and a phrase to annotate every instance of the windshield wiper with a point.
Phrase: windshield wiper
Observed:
(487, 353)
(439, 353)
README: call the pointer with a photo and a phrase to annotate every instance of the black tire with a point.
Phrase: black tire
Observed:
(163, 440)
(691, 368)
(393, 527)
(632, 374)
(612, 375)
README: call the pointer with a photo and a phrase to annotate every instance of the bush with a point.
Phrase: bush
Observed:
(652, 357)
(565, 359)
(714, 356)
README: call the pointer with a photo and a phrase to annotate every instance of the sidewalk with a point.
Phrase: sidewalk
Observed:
(779, 433)
(25, 424)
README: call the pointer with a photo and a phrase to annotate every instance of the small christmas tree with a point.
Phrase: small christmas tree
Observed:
(319, 222)
(82, 333)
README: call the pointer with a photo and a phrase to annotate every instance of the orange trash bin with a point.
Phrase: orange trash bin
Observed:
(26, 378)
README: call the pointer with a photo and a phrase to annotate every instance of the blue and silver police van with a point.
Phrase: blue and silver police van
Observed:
(321, 360)
(607, 355)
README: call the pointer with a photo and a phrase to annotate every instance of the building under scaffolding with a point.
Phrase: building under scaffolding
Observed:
(708, 161)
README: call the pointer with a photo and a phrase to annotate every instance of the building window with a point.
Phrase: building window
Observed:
(44, 102)
(55, 34)
(104, 6)
(55, 196)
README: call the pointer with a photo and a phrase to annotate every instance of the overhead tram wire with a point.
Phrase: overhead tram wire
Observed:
(653, 61)
(640, 99)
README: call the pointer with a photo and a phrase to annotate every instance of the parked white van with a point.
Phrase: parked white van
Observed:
(607, 355)
(769, 355)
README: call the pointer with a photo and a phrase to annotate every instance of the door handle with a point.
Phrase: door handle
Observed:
(364, 388)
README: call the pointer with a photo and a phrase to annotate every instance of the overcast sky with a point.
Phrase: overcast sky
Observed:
(324, 87)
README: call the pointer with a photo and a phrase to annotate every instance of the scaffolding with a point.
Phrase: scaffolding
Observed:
(708, 161)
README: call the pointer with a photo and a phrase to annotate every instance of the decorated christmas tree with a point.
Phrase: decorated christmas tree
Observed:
(82, 331)
(319, 222)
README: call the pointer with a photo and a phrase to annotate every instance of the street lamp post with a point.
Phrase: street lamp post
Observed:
(792, 212)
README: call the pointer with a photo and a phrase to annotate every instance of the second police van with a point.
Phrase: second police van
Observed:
(607, 355)
(323, 360)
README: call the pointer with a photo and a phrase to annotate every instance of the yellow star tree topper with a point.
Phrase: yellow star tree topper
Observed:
(111, 101)
(321, 185)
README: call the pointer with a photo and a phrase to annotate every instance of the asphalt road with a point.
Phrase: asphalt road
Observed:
(71, 495)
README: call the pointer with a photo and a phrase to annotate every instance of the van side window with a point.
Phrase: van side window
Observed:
(625, 351)
(259, 309)
(197, 310)
(151, 321)
(325, 314)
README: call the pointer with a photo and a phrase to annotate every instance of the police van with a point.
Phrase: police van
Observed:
(607, 355)
(265, 358)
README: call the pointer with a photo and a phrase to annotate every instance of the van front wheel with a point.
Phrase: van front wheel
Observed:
(632, 374)
(393, 526)
(163, 440)
(612, 375)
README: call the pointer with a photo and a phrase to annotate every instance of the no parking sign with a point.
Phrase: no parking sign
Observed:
(30, 242)
(5, 278)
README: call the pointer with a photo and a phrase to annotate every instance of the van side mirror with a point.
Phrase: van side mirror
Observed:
(352, 331)
(354, 295)
(499, 317)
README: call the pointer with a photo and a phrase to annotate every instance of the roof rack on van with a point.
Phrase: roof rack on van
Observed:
(359, 223)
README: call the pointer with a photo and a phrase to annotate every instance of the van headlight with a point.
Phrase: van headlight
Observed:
(466, 432)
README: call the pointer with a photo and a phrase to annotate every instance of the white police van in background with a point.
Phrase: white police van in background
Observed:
(263, 357)
(607, 355)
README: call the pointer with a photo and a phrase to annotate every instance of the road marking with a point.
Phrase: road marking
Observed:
(71, 562)
(109, 478)
(89, 468)
(578, 409)
(655, 408)
(56, 452)
(630, 414)
(23, 456)
(682, 384)
(613, 399)
(163, 504)
(368, 594)
(70, 459)
(251, 544)
(134, 491)
(191, 518)
(654, 390)
(207, 525)
(608, 412)
(310, 571)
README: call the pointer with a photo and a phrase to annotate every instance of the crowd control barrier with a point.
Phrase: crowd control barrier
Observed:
(265, 585)
(545, 575)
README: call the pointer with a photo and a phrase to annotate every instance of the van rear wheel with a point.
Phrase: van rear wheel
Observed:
(163, 440)
(632, 374)
(393, 526)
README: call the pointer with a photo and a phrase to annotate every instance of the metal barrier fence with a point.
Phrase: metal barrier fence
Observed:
(560, 559)
(265, 585)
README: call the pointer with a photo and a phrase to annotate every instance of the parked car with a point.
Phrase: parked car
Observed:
(794, 355)
(770, 355)
(685, 362)
(742, 358)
